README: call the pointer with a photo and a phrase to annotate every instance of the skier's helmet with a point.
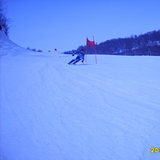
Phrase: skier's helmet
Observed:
(82, 51)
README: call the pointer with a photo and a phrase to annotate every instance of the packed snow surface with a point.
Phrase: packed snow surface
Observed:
(54, 111)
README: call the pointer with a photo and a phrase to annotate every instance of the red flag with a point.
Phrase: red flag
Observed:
(90, 43)
(55, 49)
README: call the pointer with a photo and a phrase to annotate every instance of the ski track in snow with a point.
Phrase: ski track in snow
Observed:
(55, 111)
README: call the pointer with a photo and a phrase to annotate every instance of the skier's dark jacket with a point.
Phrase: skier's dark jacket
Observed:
(80, 54)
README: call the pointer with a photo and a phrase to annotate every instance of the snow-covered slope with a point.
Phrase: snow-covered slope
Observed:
(54, 111)
(9, 48)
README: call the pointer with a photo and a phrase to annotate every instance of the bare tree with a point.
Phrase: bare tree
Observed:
(3, 19)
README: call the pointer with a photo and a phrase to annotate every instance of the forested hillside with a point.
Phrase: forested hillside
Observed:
(144, 44)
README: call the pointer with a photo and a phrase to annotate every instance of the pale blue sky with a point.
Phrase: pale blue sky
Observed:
(65, 24)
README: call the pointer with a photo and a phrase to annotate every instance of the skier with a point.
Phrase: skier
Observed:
(80, 56)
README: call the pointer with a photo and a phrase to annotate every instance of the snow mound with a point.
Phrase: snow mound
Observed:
(9, 48)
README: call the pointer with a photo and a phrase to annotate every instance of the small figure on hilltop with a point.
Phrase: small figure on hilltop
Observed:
(80, 56)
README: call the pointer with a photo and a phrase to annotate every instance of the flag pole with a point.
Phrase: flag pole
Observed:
(95, 50)
(86, 50)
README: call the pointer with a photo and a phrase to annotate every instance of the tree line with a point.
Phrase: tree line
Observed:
(144, 44)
